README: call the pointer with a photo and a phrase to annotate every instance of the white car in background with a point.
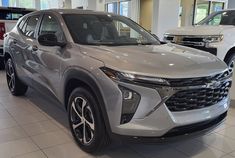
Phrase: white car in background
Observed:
(8, 19)
(214, 34)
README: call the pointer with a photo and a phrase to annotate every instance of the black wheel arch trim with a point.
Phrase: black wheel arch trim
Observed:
(85, 76)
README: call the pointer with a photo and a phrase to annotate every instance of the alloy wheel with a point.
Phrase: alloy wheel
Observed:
(231, 65)
(82, 120)
(10, 73)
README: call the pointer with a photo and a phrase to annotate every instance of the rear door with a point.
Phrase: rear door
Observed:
(23, 47)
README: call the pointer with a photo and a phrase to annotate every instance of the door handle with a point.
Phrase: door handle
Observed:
(14, 42)
(34, 48)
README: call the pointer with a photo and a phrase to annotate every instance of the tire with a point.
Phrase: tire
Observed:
(16, 87)
(230, 61)
(84, 111)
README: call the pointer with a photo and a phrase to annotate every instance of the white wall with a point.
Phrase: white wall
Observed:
(165, 16)
(231, 3)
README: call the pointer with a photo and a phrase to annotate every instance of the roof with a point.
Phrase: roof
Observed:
(76, 11)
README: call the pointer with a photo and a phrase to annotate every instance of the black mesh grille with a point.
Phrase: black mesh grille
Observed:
(187, 39)
(198, 98)
(197, 81)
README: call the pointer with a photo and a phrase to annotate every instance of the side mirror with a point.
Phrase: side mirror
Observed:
(50, 40)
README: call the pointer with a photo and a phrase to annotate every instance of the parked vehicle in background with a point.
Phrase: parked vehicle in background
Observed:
(114, 83)
(214, 34)
(8, 19)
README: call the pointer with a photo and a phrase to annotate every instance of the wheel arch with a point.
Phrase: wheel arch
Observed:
(229, 53)
(7, 56)
(75, 78)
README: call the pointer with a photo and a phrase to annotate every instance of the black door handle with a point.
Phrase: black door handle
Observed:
(34, 48)
(14, 42)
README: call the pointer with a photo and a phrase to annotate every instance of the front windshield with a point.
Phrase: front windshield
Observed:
(219, 18)
(90, 29)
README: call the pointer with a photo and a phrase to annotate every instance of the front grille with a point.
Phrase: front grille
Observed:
(186, 40)
(198, 98)
(192, 39)
(198, 81)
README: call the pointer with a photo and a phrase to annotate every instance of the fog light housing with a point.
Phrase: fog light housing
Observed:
(130, 102)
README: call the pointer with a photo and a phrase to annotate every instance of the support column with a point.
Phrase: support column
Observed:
(165, 16)
(100, 5)
(67, 4)
(38, 4)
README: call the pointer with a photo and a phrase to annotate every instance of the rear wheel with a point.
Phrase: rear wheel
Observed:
(86, 122)
(16, 87)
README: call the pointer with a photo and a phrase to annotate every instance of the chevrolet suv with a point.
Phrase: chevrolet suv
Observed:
(214, 34)
(114, 78)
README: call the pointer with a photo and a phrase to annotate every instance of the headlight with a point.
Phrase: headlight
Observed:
(129, 77)
(130, 102)
(213, 39)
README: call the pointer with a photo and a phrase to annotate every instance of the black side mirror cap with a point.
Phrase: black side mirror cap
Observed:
(50, 40)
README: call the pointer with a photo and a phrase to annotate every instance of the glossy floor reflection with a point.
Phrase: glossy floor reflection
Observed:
(35, 127)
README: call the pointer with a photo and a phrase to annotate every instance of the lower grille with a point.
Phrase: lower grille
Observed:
(197, 98)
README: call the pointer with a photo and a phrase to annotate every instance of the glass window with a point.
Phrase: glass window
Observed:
(217, 6)
(27, 3)
(220, 18)
(30, 27)
(21, 24)
(12, 14)
(107, 30)
(112, 7)
(125, 8)
(51, 26)
(202, 10)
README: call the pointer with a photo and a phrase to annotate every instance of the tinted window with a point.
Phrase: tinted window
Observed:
(30, 26)
(220, 18)
(21, 24)
(12, 15)
(51, 26)
(107, 30)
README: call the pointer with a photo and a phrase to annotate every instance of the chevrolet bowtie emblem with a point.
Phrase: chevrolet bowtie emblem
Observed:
(213, 84)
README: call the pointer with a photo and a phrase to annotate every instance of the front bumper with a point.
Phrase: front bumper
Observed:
(154, 119)
(182, 132)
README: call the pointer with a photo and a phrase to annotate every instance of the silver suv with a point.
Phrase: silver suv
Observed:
(114, 78)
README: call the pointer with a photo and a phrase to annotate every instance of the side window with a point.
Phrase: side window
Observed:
(21, 24)
(30, 28)
(51, 26)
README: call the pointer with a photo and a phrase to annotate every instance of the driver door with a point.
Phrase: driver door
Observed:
(48, 58)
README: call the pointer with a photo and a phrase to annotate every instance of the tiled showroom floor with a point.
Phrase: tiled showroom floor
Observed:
(33, 127)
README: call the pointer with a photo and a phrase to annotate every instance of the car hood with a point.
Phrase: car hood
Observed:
(200, 30)
(167, 61)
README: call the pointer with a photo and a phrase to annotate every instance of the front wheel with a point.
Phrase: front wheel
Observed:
(230, 61)
(15, 86)
(85, 121)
